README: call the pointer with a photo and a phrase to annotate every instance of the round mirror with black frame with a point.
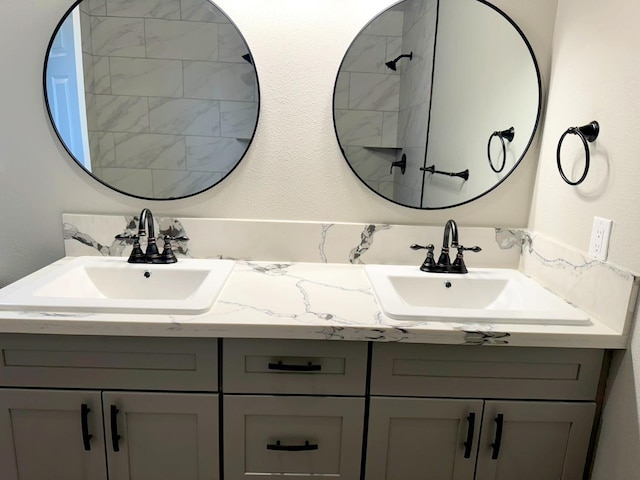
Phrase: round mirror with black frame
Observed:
(437, 101)
(156, 99)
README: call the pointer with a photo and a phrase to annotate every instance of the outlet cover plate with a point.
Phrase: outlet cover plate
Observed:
(600, 234)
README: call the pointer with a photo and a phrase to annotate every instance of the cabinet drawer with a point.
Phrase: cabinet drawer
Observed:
(109, 362)
(316, 367)
(296, 437)
(485, 372)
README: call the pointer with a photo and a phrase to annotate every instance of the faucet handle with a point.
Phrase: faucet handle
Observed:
(458, 265)
(429, 264)
(415, 246)
(126, 236)
(137, 255)
(167, 253)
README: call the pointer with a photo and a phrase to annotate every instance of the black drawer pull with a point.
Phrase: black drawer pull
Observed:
(84, 420)
(115, 438)
(309, 367)
(469, 443)
(498, 440)
(292, 448)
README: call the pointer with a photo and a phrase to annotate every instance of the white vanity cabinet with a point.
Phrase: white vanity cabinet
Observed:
(501, 425)
(100, 432)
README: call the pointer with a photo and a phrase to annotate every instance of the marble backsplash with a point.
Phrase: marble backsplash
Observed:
(605, 291)
(287, 241)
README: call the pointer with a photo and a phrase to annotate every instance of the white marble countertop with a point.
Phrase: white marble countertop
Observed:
(304, 301)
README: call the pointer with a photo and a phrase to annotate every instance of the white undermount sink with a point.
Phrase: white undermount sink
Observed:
(111, 285)
(484, 295)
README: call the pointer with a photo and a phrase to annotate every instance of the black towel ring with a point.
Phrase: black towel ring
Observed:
(587, 133)
(508, 134)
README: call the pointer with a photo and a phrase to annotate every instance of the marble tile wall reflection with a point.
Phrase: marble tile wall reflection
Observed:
(367, 100)
(167, 91)
(415, 95)
(373, 167)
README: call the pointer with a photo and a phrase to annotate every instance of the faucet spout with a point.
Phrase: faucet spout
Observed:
(450, 229)
(146, 222)
(146, 228)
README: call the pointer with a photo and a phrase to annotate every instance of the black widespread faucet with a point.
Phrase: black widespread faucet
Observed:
(451, 228)
(444, 265)
(146, 228)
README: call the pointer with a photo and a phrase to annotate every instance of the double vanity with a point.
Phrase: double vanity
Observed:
(250, 349)
(238, 368)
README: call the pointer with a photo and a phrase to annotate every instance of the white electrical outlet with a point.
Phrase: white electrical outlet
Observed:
(600, 233)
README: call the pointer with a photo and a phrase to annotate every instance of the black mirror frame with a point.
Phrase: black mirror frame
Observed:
(518, 161)
(128, 194)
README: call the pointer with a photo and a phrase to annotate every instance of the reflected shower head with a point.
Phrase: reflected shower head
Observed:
(392, 63)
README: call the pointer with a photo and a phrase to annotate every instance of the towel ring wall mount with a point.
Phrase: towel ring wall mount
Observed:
(507, 134)
(587, 133)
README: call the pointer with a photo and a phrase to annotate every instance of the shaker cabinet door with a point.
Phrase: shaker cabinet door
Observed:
(534, 440)
(51, 435)
(420, 438)
(296, 438)
(161, 436)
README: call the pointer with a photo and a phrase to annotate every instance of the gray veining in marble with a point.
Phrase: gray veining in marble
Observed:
(310, 241)
(341, 92)
(117, 36)
(208, 154)
(201, 11)
(566, 264)
(238, 119)
(390, 129)
(359, 127)
(374, 92)
(96, 7)
(231, 45)
(85, 33)
(103, 149)
(185, 116)
(219, 81)
(323, 240)
(147, 150)
(146, 77)
(366, 54)
(144, 8)
(126, 237)
(366, 241)
(172, 39)
(119, 113)
(510, 238)
(388, 24)
(180, 183)
(134, 181)
(486, 338)
(370, 164)
(101, 75)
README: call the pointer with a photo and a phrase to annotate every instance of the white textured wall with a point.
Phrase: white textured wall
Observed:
(596, 76)
(294, 169)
